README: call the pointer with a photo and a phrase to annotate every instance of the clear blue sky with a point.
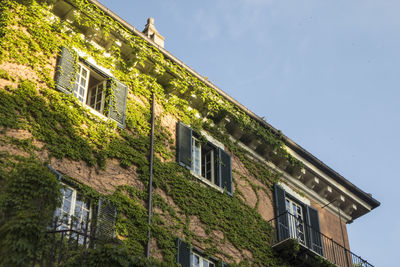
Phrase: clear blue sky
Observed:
(326, 73)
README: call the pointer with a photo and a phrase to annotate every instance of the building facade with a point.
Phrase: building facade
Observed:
(82, 91)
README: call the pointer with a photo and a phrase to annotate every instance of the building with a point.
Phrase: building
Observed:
(80, 88)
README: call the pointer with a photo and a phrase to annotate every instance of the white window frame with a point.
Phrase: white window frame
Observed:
(102, 94)
(196, 156)
(209, 159)
(203, 262)
(80, 223)
(82, 82)
(296, 220)
(198, 161)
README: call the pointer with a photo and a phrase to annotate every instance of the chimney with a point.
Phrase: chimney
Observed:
(151, 32)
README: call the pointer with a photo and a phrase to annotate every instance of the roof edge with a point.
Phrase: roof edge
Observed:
(290, 143)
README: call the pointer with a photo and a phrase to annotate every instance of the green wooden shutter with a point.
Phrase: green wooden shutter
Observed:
(225, 171)
(118, 106)
(282, 224)
(106, 217)
(184, 152)
(183, 256)
(314, 232)
(66, 70)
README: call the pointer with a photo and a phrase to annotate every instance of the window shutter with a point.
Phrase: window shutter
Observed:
(118, 109)
(184, 253)
(314, 230)
(184, 152)
(282, 224)
(225, 171)
(106, 217)
(66, 70)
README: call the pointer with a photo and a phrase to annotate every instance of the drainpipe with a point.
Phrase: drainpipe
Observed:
(59, 175)
(150, 186)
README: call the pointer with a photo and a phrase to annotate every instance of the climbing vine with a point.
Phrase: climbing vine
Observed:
(30, 39)
(29, 194)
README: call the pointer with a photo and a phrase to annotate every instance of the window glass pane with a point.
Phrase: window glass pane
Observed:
(85, 214)
(86, 204)
(64, 218)
(68, 193)
(57, 213)
(96, 100)
(196, 261)
(78, 212)
(66, 206)
(196, 157)
(79, 200)
(299, 210)
(208, 165)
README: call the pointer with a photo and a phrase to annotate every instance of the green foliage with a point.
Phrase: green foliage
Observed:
(108, 255)
(50, 120)
(132, 219)
(28, 197)
(241, 225)
(30, 36)
(43, 36)
(4, 75)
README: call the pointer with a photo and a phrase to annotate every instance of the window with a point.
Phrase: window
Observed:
(199, 261)
(90, 86)
(190, 257)
(296, 220)
(86, 217)
(206, 161)
(78, 213)
(72, 218)
(75, 210)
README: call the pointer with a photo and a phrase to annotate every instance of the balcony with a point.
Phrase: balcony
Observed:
(302, 244)
(64, 239)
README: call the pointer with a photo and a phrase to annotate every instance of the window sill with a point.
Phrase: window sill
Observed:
(98, 114)
(95, 113)
(207, 182)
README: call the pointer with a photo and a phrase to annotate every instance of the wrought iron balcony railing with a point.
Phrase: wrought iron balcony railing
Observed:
(64, 238)
(289, 227)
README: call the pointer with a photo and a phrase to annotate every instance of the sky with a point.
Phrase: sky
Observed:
(326, 73)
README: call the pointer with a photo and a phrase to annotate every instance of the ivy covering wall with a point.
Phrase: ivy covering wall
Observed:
(60, 127)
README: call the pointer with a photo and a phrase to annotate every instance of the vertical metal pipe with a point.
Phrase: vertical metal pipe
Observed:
(150, 186)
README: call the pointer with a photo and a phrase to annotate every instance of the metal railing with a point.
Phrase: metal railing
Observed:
(64, 238)
(289, 226)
